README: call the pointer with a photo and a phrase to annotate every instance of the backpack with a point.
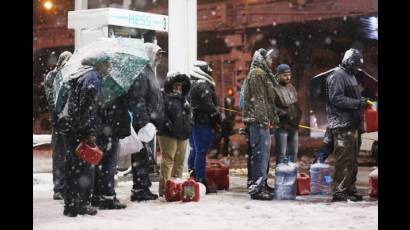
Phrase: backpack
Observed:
(241, 97)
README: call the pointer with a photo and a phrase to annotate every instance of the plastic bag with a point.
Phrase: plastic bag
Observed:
(129, 145)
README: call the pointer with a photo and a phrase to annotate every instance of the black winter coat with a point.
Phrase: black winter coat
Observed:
(204, 103)
(81, 116)
(343, 106)
(177, 116)
(145, 100)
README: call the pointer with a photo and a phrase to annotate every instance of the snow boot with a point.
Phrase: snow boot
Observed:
(87, 210)
(111, 203)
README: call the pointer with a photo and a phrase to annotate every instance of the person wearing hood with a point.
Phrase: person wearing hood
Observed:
(206, 118)
(344, 113)
(286, 132)
(174, 134)
(146, 104)
(57, 144)
(258, 114)
(81, 110)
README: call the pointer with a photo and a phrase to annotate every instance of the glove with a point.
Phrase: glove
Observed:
(91, 140)
(363, 102)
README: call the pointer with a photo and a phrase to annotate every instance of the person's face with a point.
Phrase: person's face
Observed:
(105, 68)
(269, 61)
(177, 88)
(284, 78)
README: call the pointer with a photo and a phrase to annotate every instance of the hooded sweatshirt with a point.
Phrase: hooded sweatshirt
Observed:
(259, 95)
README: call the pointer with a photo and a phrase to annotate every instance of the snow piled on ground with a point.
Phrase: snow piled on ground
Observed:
(225, 210)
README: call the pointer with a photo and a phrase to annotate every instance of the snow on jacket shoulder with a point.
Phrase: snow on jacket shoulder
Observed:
(343, 100)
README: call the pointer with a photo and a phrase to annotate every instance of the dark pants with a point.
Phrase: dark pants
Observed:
(140, 168)
(106, 170)
(346, 150)
(327, 148)
(57, 144)
(79, 176)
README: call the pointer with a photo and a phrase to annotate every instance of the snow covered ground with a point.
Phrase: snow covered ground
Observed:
(225, 210)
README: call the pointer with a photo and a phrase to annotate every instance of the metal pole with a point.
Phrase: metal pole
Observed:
(79, 5)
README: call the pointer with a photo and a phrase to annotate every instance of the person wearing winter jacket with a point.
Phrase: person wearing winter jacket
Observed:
(286, 132)
(81, 111)
(344, 113)
(206, 119)
(57, 144)
(174, 134)
(258, 114)
(146, 104)
(114, 126)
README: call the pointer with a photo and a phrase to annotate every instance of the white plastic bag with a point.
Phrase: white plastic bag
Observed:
(129, 145)
(147, 133)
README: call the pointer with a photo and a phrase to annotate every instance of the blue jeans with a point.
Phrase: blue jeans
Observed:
(287, 141)
(260, 143)
(199, 141)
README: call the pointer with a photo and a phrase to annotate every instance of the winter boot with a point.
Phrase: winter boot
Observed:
(70, 211)
(142, 195)
(58, 196)
(262, 195)
(87, 210)
(111, 203)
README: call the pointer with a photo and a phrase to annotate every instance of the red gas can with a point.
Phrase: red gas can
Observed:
(173, 189)
(370, 120)
(89, 154)
(190, 191)
(217, 174)
(302, 184)
(373, 184)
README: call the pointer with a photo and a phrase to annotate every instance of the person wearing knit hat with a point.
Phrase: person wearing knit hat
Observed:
(286, 132)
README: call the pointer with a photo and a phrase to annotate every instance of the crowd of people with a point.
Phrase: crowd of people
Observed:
(186, 112)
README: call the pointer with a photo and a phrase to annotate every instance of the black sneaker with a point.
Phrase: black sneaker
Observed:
(70, 212)
(111, 204)
(58, 196)
(263, 195)
(143, 195)
(87, 210)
